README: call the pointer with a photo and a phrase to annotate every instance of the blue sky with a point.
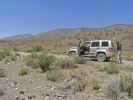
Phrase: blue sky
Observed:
(35, 16)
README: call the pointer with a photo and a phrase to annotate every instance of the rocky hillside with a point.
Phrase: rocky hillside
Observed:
(59, 40)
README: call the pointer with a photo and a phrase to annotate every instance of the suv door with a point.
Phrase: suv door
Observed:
(95, 45)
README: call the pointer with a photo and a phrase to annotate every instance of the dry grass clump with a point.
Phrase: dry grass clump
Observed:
(65, 63)
(32, 60)
(95, 84)
(79, 84)
(53, 75)
(79, 60)
(112, 68)
(126, 83)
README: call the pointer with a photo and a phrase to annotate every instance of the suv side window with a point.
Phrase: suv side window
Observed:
(95, 44)
(105, 44)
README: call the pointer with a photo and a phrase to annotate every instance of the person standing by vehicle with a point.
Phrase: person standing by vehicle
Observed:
(79, 43)
(119, 52)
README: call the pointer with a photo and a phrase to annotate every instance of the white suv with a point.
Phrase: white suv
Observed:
(100, 49)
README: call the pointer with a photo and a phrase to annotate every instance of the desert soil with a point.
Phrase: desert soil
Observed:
(34, 86)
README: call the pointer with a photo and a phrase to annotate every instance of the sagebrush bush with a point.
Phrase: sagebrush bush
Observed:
(126, 83)
(53, 75)
(42, 61)
(7, 53)
(45, 62)
(23, 71)
(112, 68)
(2, 55)
(79, 60)
(13, 58)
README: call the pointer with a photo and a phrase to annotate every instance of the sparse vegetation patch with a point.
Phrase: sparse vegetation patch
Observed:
(53, 75)
(23, 71)
(112, 68)
(126, 83)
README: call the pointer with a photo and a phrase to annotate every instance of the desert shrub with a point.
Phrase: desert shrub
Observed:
(23, 71)
(79, 84)
(32, 60)
(13, 58)
(53, 75)
(45, 62)
(42, 61)
(95, 85)
(126, 83)
(7, 60)
(7, 53)
(33, 63)
(79, 60)
(112, 68)
(113, 89)
(58, 62)
(67, 64)
(2, 56)
(36, 48)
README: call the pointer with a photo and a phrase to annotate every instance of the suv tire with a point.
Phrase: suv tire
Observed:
(101, 57)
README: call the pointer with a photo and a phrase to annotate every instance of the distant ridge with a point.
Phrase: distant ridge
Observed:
(61, 32)
(19, 36)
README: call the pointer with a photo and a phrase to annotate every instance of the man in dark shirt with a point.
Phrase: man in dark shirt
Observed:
(119, 52)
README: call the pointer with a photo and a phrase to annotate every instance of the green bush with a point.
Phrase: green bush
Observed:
(2, 55)
(42, 61)
(45, 62)
(13, 58)
(112, 68)
(79, 60)
(53, 75)
(23, 71)
(7, 53)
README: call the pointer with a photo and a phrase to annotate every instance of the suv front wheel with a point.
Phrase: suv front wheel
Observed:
(101, 57)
